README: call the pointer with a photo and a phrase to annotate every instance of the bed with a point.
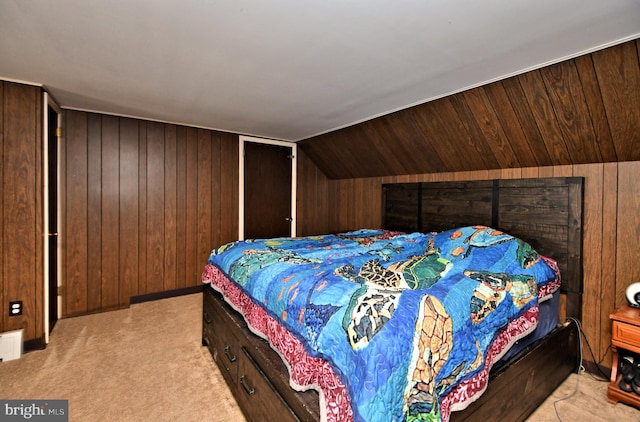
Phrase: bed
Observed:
(369, 324)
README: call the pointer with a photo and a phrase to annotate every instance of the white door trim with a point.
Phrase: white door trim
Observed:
(294, 163)
(49, 102)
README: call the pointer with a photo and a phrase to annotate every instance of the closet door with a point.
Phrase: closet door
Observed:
(267, 190)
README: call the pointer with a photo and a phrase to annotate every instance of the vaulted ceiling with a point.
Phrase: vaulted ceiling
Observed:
(582, 110)
(291, 69)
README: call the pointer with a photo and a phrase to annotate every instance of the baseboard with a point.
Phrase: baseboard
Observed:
(33, 344)
(593, 368)
(165, 294)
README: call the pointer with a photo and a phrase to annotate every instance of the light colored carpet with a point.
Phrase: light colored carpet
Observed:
(146, 363)
(587, 403)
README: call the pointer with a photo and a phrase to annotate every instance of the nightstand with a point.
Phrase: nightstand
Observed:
(625, 336)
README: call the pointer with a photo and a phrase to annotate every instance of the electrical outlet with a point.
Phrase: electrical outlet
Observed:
(15, 308)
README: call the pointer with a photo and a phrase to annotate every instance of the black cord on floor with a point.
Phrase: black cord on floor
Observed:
(580, 369)
(597, 363)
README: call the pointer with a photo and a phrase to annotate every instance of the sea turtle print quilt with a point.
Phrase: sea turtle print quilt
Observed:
(408, 324)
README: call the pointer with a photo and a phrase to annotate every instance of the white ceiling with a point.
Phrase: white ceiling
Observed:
(289, 69)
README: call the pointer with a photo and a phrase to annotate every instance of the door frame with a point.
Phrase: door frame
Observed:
(294, 162)
(50, 102)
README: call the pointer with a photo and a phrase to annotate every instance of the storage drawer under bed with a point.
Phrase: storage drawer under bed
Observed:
(257, 395)
(218, 336)
(254, 372)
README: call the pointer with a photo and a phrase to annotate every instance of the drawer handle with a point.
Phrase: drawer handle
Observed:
(207, 318)
(205, 341)
(250, 390)
(227, 352)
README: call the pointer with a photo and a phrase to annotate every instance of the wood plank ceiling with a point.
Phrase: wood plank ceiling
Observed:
(583, 110)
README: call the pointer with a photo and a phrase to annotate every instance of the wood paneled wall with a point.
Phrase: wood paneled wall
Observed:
(21, 233)
(580, 117)
(579, 111)
(611, 228)
(312, 193)
(143, 205)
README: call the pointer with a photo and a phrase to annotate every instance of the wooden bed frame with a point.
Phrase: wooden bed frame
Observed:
(545, 212)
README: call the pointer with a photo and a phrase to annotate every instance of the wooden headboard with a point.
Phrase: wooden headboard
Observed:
(544, 212)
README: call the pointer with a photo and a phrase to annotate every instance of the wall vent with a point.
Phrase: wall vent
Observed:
(11, 345)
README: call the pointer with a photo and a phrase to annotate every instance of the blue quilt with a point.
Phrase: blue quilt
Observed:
(401, 318)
